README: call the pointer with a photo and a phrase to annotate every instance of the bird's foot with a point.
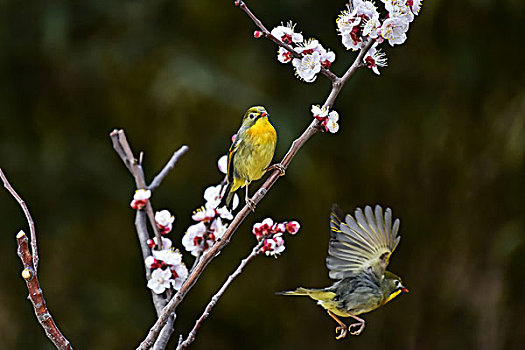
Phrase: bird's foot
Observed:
(251, 204)
(279, 167)
(358, 331)
(341, 332)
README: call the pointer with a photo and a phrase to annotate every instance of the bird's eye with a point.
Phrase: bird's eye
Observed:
(252, 115)
(397, 283)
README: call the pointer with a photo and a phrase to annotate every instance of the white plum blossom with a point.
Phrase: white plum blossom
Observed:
(166, 243)
(308, 66)
(372, 27)
(218, 228)
(366, 8)
(394, 30)
(286, 33)
(331, 122)
(169, 256)
(399, 9)
(193, 239)
(222, 164)
(224, 213)
(142, 194)
(327, 57)
(374, 58)
(179, 273)
(415, 6)
(140, 199)
(164, 218)
(328, 119)
(273, 246)
(213, 197)
(149, 261)
(283, 55)
(160, 280)
(350, 24)
(203, 214)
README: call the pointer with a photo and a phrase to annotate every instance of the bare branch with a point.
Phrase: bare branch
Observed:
(311, 130)
(36, 295)
(30, 222)
(191, 337)
(123, 149)
(30, 262)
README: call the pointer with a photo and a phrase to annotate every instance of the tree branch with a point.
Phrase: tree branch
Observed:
(29, 274)
(36, 295)
(30, 222)
(191, 336)
(123, 149)
(311, 130)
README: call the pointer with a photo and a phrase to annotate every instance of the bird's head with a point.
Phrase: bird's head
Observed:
(392, 286)
(253, 114)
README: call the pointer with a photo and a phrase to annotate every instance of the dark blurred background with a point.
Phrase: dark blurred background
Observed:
(439, 137)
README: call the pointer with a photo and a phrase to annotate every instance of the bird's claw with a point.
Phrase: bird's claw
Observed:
(278, 166)
(341, 331)
(358, 330)
(251, 204)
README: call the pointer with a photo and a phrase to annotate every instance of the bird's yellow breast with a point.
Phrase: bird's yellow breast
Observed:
(262, 132)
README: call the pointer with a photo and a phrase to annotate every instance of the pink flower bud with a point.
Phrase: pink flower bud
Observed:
(151, 243)
(293, 227)
(138, 204)
(257, 34)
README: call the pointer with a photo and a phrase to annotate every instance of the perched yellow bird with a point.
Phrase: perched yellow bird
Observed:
(251, 152)
(358, 254)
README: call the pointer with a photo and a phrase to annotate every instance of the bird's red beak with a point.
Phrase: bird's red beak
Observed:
(264, 114)
(405, 290)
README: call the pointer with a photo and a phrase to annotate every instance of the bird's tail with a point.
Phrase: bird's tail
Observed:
(226, 199)
(316, 294)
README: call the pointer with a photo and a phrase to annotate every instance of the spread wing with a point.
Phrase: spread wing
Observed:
(361, 243)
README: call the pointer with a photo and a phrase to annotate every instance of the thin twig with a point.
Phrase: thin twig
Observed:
(191, 336)
(30, 222)
(311, 130)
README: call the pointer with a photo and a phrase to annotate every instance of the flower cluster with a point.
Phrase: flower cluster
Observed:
(328, 119)
(209, 219)
(313, 55)
(140, 198)
(168, 269)
(271, 234)
(361, 23)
